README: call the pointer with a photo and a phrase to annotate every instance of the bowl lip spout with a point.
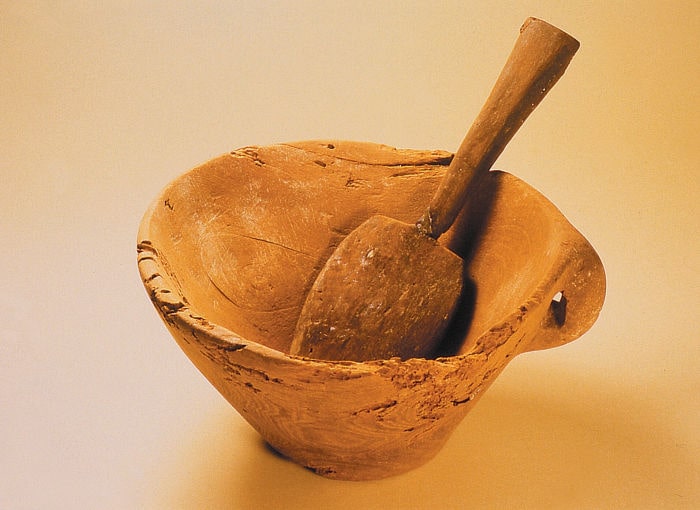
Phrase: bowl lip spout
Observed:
(577, 266)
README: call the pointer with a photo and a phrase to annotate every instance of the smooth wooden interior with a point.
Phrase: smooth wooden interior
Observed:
(246, 233)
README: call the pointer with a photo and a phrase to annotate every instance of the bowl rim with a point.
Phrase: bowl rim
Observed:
(174, 308)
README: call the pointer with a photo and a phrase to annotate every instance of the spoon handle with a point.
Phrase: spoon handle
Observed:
(540, 55)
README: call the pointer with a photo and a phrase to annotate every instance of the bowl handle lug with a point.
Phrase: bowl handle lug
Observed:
(573, 300)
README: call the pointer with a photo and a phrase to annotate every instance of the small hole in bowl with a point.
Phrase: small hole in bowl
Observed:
(558, 308)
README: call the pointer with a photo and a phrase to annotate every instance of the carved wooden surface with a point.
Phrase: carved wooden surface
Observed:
(228, 252)
(389, 289)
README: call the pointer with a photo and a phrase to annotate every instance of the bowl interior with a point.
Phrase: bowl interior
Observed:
(244, 235)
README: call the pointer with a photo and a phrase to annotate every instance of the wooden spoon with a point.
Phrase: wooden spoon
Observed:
(390, 289)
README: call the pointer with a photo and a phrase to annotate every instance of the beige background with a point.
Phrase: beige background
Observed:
(103, 103)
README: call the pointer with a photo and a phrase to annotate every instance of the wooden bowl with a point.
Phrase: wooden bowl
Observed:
(228, 251)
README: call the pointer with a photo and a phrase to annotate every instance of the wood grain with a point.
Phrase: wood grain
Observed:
(228, 251)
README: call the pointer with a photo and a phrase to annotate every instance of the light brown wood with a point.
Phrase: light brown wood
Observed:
(389, 289)
(539, 58)
(228, 251)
